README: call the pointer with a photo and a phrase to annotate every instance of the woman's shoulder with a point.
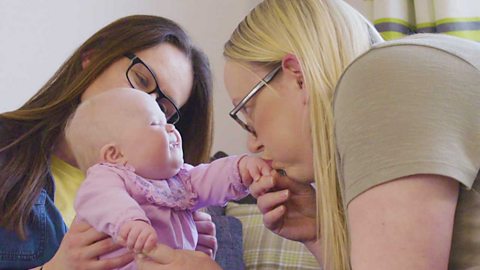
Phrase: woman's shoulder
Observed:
(421, 61)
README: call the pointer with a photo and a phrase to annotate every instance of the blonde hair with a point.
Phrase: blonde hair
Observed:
(325, 36)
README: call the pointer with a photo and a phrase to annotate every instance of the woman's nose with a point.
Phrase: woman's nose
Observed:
(253, 144)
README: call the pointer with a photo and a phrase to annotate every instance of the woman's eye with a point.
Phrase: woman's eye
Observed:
(141, 80)
(246, 110)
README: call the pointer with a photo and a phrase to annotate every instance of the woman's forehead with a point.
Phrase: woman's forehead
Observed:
(240, 78)
(172, 69)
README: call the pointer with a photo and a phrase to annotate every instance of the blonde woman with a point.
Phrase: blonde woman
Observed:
(389, 137)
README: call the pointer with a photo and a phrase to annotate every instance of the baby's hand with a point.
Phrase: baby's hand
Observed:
(137, 235)
(252, 168)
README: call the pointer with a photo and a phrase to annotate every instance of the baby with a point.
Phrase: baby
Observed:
(137, 188)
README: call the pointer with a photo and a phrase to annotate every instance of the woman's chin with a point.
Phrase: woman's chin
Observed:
(298, 175)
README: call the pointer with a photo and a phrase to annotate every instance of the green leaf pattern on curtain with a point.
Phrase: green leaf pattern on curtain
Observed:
(397, 18)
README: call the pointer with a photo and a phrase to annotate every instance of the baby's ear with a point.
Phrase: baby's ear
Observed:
(111, 153)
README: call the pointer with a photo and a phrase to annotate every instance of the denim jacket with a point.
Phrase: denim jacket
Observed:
(44, 232)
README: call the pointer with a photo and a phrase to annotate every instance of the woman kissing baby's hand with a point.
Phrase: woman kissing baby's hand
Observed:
(252, 168)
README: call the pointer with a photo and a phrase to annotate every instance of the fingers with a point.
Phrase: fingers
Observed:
(201, 216)
(207, 244)
(101, 247)
(79, 226)
(206, 250)
(264, 167)
(113, 263)
(254, 174)
(162, 254)
(271, 200)
(260, 187)
(132, 238)
(274, 219)
(271, 206)
(144, 236)
(84, 234)
(123, 234)
(266, 170)
(204, 225)
(150, 243)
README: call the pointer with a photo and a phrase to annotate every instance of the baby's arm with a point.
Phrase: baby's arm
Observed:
(225, 179)
(104, 202)
(137, 235)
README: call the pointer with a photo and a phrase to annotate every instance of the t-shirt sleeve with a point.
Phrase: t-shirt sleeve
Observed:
(405, 110)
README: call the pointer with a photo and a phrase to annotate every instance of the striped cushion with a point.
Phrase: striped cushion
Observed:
(263, 249)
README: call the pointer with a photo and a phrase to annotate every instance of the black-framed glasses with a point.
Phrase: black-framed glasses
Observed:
(141, 77)
(241, 118)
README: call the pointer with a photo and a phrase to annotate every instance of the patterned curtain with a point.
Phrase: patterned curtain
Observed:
(397, 18)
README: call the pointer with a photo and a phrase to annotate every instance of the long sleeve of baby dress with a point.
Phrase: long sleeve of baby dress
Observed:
(114, 194)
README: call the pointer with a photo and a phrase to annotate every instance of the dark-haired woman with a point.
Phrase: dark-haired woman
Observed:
(38, 177)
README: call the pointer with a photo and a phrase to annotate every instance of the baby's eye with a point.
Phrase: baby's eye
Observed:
(158, 123)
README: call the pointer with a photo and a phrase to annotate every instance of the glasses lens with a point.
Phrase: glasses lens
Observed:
(141, 78)
(169, 109)
(241, 118)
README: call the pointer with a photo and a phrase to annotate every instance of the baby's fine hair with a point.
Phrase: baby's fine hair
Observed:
(101, 120)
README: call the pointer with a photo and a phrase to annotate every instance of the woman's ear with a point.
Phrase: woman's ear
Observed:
(291, 65)
(86, 58)
(111, 153)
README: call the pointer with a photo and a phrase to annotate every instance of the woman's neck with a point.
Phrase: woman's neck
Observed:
(63, 152)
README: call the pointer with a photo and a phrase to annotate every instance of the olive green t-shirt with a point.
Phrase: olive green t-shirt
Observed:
(412, 106)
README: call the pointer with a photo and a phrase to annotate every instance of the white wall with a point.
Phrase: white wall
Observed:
(361, 5)
(37, 36)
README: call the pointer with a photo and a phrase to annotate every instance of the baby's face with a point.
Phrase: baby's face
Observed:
(150, 145)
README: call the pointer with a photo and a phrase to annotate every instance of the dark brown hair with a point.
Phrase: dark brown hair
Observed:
(30, 133)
